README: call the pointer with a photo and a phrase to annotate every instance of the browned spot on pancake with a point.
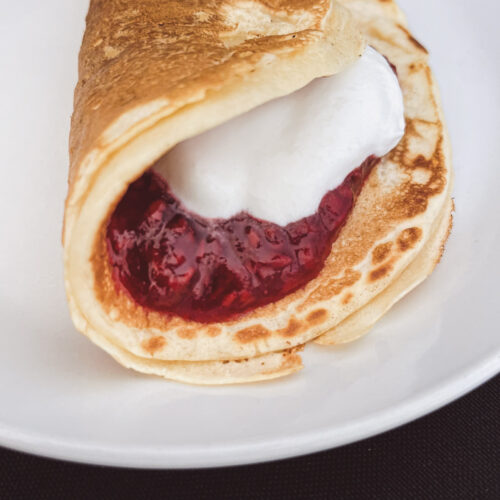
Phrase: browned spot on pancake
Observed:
(252, 334)
(380, 272)
(290, 360)
(381, 252)
(332, 287)
(154, 344)
(414, 41)
(413, 197)
(417, 44)
(409, 238)
(347, 298)
(293, 328)
(420, 162)
(213, 331)
(187, 333)
(316, 317)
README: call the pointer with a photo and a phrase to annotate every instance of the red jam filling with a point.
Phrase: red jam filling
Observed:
(173, 261)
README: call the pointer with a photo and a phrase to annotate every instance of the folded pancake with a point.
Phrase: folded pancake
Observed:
(155, 74)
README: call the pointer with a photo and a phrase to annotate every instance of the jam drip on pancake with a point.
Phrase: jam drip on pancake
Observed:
(170, 260)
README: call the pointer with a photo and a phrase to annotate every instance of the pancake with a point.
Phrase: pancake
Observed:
(362, 321)
(141, 92)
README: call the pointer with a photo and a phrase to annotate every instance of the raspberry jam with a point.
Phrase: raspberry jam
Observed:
(170, 260)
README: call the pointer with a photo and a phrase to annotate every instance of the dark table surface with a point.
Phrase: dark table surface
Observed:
(453, 453)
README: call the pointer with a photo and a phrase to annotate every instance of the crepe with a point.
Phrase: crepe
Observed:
(141, 92)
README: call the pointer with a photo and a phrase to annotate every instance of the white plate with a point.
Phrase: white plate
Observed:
(62, 397)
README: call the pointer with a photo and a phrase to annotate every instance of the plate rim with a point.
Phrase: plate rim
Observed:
(205, 457)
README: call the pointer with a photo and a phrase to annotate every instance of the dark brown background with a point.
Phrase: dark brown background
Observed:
(453, 453)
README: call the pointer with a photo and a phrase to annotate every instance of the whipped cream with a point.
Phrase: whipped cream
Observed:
(277, 161)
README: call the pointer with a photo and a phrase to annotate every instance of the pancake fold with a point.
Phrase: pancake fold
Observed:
(153, 74)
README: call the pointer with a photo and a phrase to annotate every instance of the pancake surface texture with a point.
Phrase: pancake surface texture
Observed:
(155, 75)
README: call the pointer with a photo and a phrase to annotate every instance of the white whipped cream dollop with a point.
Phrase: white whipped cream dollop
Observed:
(277, 161)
